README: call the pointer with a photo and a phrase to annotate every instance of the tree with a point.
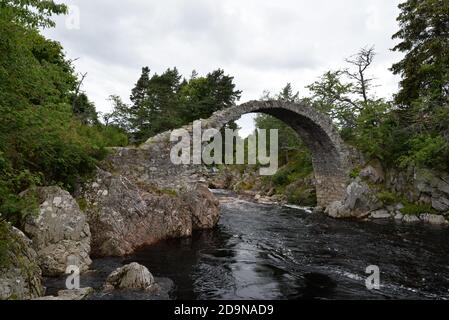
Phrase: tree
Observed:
(139, 94)
(333, 97)
(32, 13)
(424, 35)
(343, 94)
(41, 141)
(84, 110)
(202, 96)
(362, 61)
(287, 94)
(120, 115)
(155, 104)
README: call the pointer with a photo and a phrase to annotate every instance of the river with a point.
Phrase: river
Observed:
(262, 251)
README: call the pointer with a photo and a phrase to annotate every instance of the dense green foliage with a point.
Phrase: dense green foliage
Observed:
(31, 13)
(43, 138)
(424, 35)
(164, 102)
(5, 243)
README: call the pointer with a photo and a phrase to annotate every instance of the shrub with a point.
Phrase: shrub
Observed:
(416, 209)
(280, 178)
(4, 243)
(301, 194)
(426, 150)
(388, 197)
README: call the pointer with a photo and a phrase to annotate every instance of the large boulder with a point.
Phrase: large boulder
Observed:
(360, 201)
(204, 207)
(124, 216)
(132, 276)
(20, 275)
(433, 186)
(59, 232)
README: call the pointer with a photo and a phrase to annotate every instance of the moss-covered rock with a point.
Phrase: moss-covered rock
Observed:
(20, 276)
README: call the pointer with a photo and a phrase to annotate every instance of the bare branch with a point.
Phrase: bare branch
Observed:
(77, 90)
(362, 61)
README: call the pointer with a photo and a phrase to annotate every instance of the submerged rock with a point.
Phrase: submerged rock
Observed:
(59, 232)
(131, 276)
(20, 275)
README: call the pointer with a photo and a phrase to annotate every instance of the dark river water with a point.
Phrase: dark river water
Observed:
(271, 252)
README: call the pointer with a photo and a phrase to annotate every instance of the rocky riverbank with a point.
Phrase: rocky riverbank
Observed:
(112, 214)
(138, 198)
(373, 193)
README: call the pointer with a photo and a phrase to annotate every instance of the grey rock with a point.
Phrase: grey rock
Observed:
(380, 214)
(131, 276)
(129, 216)
(59, 232)
(440, 203)
(433, 219)
(20, 276)
(410, 218)
(398, 216)
(335, 209)
(434, 188)
(373, 173)
(359, 201)
(204, 207)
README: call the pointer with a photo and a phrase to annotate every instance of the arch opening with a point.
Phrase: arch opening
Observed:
(331, 165)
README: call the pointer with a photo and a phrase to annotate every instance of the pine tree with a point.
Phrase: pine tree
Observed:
(424, 35)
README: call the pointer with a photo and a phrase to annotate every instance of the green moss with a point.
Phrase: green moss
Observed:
(243, 186)
(417, 209)
(82, 203)
(169, 192)
(388, 197)
(355, 173)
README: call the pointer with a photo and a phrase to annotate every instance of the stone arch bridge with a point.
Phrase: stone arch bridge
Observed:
(331, 158)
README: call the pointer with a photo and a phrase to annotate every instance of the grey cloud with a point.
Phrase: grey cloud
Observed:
(262, 43)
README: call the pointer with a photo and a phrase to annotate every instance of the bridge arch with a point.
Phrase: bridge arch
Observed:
(330, 155)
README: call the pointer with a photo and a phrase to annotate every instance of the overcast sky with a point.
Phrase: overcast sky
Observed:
(263, 44)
